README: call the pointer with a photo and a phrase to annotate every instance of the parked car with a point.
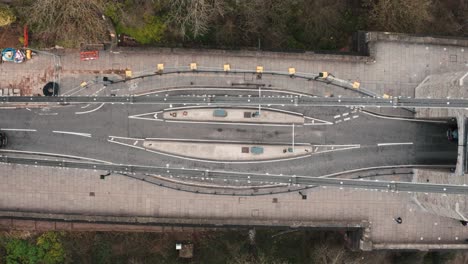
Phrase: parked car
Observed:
(452, 134)
(3, 139)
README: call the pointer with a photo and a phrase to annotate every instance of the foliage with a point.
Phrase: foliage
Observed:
(6, 15)
(399, 15)
(152, 31)
(21, 251)
(50, 249)
(69, 22)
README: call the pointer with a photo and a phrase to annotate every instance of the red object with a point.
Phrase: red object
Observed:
(26, 36)
(89, 55)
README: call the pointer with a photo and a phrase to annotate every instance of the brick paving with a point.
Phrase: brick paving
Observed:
(51, 190)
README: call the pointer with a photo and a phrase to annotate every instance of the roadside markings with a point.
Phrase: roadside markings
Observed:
(18, 129)
(72, 133)
(90, 111)
(402, 118)
(54, 154)
(394, 144)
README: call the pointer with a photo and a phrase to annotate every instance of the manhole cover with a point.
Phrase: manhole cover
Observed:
(51, 89)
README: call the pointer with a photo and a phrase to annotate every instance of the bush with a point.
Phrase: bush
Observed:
(6, 15)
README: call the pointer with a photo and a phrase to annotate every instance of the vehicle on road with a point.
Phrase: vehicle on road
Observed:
(452, 134)
(3, 140)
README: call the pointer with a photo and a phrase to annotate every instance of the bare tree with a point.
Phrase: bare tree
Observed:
(67, 22)
(399, 15)
(194, 16)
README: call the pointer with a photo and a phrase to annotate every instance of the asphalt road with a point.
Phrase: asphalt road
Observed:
(84, 130)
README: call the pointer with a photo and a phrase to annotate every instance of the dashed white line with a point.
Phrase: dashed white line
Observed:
(345, 114)
(356, 116)
(394, 144)
(337, 116)
(338, 121)
(72, 133)
(346, 119)
(18, 129)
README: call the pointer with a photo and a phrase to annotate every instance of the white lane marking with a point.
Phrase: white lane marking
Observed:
(377, 168)
(100, 90)
(28, 109)
(7, 107)
(394, 144)
(345, 114)
(221, 89)
(46, 114)
(18, 129)
(337, 116)
(72, 133)
(317, 120)
(145, 118)
(338, 121)
(229, 106)
(136, 142)
(227, 141)
(209, 161)
(112, 137)
(85, 106)
(90, 111)
(356, 116)
(53, 154)
(346, 119)
(402, 118)
(227, 123)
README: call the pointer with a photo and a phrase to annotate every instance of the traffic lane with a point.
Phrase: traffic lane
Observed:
(315, 165)
(372, 130)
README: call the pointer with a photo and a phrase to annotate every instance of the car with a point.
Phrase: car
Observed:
(3, 140)
(452, 134)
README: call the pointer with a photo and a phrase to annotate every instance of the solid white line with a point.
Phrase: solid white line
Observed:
(227, 107)
(72, 133)
(85, 106)
(53, 154)
(394, 144)
(86, 112)
(126, 138)
(220, 89)
(226, 141)
(18, 129)
(224, 123)
(46, 114)
(402, 118)
(7, 107)
(123, 144)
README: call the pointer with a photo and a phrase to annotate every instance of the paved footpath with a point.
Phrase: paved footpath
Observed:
(395, 68)
(49, 190)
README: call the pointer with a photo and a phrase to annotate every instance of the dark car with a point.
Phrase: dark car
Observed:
(3, 140)
(452, 134)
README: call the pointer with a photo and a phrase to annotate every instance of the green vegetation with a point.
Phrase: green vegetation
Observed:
(231, 247)
(6, 15)
(265, 24)
(46, 249)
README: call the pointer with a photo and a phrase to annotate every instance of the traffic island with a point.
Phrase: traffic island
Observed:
(226, 151)
(234, 115)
